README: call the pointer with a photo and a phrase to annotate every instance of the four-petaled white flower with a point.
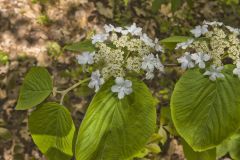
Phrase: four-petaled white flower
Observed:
(214, 23)
(199, 30)
(150, 62)
(184, 45)
(158, 47)
(109, 28)
(214, 72)
(233, 30)
(200, 59)
(186, 61)
(122, 87)
(96, 80)
(134, 30)
(99, 38)
(236, 70)
(148, 41)
(85, 58)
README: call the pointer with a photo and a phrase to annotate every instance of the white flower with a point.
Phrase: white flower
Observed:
(184, 45)
(236, 70)
(214, 23)
(122, 87)
(199, 30)
(148, 41)
(109, 28)
(186, 61)
(96, 80)
(124, 32)
(99, 38)
(150, 62)
(158, 64)
(118, 29)
(149, 75)
(85, 58)
(158, 47)
(233, 30)
(214, 73)
(134, 30)
(200, 59)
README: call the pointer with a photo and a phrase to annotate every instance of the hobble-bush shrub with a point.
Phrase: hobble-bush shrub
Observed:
(205, 105)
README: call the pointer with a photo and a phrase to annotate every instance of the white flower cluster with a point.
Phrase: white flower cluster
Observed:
(214, 42)
(121, 51)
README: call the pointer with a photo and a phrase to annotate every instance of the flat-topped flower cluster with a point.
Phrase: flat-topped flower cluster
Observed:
(121, 52)
(213, 44)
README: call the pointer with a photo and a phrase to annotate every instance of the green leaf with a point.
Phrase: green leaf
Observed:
(206, 112)
(116, 129)
(190, 154)
(234, 147)
(171, 42)
(52, 130)
(37, 86)
(231, 146)
(81, 46)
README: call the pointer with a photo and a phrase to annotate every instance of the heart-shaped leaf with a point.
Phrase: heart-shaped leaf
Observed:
(36, 87)
(116, 129)
(52, 130)
(206, 112)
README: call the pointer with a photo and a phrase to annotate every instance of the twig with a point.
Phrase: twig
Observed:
(64, 92)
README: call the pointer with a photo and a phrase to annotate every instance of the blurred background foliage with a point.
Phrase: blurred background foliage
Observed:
(54, 24)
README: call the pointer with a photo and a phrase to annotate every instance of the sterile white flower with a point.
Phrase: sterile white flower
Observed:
(214, 23)
(85, 58)
(233, 30)
(200, 59)
(158, 64)
(214, 72)
(184, 45)
(118, 29)
(96, 80)
(186, 61)
(148, 62)
(148, 41)
(109, 28)
(134, 30)
(236, 70)
(149, 75)
(158, 47)
(99, 38)
(199, 30)
(122, 87)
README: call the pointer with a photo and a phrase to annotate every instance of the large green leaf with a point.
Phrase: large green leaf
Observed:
(52, 130)
(231, 146)
(116, 129)
(36, 87)
(206, 112)
(190, 154)
(81, 46)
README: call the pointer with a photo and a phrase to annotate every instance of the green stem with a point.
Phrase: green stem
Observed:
(64, 92)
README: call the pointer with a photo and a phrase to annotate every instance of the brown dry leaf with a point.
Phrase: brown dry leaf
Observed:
(106, 12)
(3, 94)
